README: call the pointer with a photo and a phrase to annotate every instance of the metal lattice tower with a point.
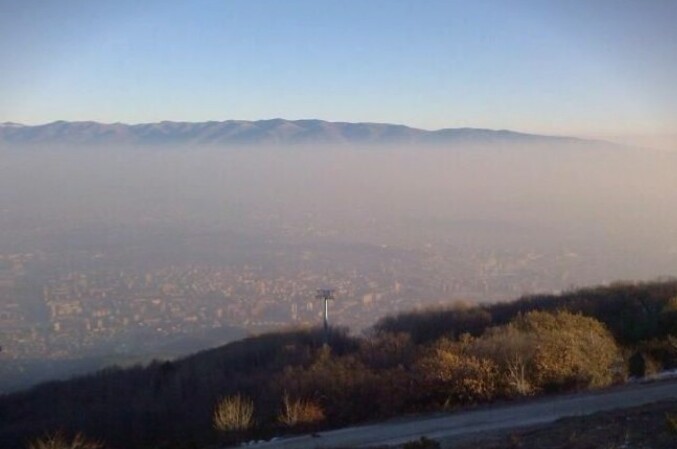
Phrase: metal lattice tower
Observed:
(325, 294)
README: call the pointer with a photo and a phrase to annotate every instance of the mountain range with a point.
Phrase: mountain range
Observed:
(267, 132)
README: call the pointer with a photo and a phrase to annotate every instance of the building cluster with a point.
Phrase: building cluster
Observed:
(47, 311)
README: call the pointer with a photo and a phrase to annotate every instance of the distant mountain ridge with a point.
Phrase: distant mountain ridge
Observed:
(268, 132)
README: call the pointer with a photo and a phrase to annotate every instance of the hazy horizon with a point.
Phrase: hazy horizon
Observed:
(123, 243)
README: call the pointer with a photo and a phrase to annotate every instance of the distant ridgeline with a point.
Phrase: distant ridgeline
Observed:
(413, 362)
(261, 132)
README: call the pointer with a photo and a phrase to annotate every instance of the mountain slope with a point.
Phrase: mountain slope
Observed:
(360, 379)
(237, 132)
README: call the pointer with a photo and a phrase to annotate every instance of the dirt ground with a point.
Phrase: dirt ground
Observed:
(645, 427)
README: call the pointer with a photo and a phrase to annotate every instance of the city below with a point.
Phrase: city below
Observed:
(138, 297)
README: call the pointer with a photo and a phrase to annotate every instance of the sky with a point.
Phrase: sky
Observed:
(589, 68)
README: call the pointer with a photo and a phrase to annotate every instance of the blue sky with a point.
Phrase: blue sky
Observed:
(592, 68)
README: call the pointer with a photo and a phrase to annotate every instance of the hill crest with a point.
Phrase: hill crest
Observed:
(271, 132)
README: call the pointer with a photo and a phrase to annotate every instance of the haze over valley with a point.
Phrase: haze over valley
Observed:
(117, 249)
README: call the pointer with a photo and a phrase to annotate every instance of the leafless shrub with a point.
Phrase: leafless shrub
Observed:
(234, 413)
(299, 411)
(59, 441)
(671, 422)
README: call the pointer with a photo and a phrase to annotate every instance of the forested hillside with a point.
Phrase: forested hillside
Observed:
(415, 362)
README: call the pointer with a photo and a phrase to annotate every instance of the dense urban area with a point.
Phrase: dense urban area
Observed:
(70, 313)
(69, 304)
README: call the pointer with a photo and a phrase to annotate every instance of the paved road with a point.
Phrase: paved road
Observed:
(460, 425)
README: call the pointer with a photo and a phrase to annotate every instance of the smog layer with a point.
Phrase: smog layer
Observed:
(119, 251)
